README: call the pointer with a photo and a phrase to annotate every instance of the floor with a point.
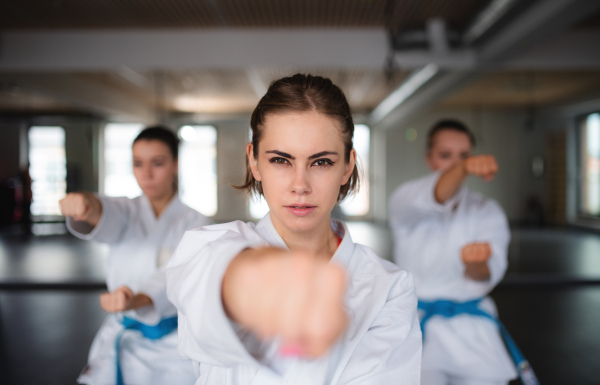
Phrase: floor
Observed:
(49, 312)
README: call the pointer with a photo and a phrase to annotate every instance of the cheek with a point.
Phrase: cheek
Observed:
(328, 185)
(439, 163)
(162, 173)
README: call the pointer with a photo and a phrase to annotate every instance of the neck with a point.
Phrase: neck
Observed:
(320, 241)
(159, 204)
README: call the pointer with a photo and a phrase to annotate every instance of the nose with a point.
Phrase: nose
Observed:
(300, 182)
(147, 172)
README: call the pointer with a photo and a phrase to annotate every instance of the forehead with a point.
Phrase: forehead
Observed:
(301, 131)
(144, 147)
(451, 138)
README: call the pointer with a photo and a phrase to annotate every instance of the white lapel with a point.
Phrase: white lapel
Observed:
(157, 229)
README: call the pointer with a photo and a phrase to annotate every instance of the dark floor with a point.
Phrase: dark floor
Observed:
(49, 311)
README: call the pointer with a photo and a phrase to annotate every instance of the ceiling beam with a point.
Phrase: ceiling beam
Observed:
(540, 23)
(218, 48)
(184, 49)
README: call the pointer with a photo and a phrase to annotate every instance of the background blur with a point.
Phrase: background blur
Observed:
(78, 81)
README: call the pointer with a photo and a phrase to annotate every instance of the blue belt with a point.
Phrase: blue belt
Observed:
(449, 309)
(164, 327)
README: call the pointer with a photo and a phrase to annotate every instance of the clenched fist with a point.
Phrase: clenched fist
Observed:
(292, 295)
(476, 252)
(81, 206)
(475, 257)
(484, 166)
(118, 300)
(123, 299)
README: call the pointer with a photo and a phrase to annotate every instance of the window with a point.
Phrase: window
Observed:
(198, 168)
(590, 165)
(258, 207)
(358, 205)
(118, 179)
(48, 170)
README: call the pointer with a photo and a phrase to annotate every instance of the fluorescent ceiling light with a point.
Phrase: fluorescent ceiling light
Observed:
(486, 19)
(132, 76)
(406, 89)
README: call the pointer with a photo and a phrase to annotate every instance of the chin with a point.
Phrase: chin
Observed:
(300, 224)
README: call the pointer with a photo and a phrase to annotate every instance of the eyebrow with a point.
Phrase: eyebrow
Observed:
(322, 153)
(281, 153)
(314, 156)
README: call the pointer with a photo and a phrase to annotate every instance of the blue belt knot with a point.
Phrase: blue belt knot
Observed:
(153, 332)
(448, 309)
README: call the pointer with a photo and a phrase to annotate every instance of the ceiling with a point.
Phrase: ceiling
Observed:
(81, 56)
(106, 14)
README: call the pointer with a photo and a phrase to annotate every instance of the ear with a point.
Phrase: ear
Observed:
(349, 167)
(252, 162)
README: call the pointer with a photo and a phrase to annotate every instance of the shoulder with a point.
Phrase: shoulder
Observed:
(193, 218)
(116, 205)
(120, 200)
(229, 230)
(382, 271)
(414, 186)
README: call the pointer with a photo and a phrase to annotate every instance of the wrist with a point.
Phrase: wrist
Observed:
(477, 271)
(139, 300)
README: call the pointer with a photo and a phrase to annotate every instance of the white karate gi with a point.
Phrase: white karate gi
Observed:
(139, 244)
(381, 346)
(428, 240)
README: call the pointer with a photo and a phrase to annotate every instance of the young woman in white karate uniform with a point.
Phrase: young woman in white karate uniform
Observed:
(142, 234)
(292, 299)
(454, 241)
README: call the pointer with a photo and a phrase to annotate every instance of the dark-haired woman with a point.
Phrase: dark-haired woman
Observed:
(293, 300)
(142, 234)
(454, 241)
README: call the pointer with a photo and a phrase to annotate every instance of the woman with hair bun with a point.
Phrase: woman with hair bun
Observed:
(292, 299)
(455, 243)
(137, 343)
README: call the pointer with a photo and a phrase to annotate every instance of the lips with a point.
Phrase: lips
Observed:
(300, 210)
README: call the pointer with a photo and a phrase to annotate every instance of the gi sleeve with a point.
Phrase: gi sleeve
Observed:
(390, 352)
(415, 201)
(156, 289)
(492, 228)
(115, 216)
(194, 277)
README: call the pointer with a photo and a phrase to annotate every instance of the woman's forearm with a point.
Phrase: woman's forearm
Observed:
(449, 182)
(477, 271)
